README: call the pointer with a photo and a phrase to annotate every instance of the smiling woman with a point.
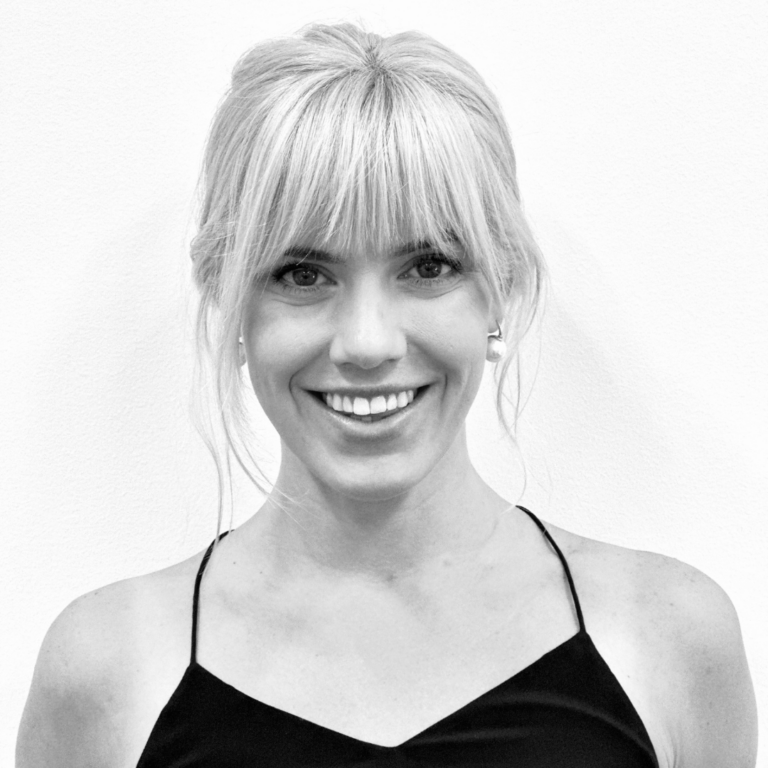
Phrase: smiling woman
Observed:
(337, 149)
(362, 249)
(364, 328)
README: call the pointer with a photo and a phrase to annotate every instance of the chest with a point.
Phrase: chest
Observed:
(358, 674)
(565, 709)
(375, 665)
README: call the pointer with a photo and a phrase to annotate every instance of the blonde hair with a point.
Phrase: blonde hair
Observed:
(361, 138)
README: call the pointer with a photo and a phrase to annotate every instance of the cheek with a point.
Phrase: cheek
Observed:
(276, 350)
(457, 334)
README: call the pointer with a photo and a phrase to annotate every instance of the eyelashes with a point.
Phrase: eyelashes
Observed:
(436, 258)
(305, 277)
(306, 272)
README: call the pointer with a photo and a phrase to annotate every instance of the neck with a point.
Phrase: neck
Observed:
(449, 514)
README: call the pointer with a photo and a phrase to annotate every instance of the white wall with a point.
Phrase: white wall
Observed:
(641, 135)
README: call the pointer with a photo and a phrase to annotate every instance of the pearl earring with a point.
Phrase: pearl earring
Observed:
(497, 347)
(241, 358)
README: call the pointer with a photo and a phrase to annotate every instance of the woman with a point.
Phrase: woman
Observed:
(362, 249)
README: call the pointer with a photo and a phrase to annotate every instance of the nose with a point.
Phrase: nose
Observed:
(368, 328)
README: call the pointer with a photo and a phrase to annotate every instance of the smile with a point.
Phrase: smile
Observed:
(368, 409)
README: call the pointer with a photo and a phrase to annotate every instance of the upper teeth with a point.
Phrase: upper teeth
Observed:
(364, 406)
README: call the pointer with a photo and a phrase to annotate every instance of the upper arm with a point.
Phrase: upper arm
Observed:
(77, 694)
(712, 712)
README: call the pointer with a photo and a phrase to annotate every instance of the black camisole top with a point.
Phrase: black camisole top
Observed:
(566, 710)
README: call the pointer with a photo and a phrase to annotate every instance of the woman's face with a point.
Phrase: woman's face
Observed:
(367, 363)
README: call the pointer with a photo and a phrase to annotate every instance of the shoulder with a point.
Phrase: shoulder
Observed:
(695, 632)
(682, 632)
(94, 666)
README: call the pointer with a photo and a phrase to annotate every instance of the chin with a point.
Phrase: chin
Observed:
(377, 480)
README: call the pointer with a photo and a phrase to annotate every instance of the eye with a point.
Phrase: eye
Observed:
(434, 268)
(299, 277)
(430, 268)
(303, 276)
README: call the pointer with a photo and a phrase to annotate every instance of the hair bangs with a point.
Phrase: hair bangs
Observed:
(370, 162)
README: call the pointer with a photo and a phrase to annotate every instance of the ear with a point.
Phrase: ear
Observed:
(496, 315)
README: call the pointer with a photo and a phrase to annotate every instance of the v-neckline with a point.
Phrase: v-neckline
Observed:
(581, 635)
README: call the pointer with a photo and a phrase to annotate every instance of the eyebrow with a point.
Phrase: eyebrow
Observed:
(316, 254)
(313, 254)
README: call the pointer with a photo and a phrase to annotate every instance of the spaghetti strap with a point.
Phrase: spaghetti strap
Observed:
(209, 551)
(576, 603)
(196, 596)
(567, 708)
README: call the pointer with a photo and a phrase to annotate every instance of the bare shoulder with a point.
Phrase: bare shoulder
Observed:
(97, 668)
(675, 633)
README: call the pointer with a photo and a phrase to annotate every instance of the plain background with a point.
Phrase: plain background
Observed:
(640, 130)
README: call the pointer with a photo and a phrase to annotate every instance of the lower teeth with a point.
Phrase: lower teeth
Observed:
(368, 418)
